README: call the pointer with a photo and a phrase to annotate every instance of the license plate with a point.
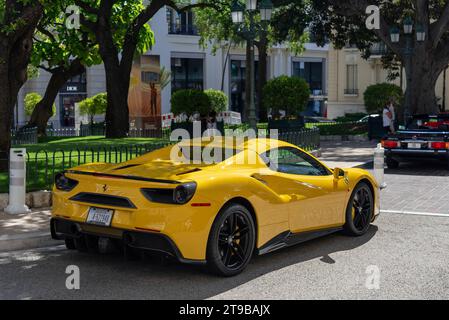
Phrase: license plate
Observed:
(414, 145)
(100, 217)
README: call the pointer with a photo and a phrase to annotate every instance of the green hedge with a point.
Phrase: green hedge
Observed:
(290, 94)
(351, 117)
(377, 96)
(189, 102)
(218, 100)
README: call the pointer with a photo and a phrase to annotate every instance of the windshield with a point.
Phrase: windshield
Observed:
(440, 123)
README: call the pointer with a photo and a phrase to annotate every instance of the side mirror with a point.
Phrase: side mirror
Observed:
(339, 173)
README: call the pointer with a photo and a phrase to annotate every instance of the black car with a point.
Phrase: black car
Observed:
(424, 137)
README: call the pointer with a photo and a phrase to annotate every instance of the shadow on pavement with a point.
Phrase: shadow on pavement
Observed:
(110, 277)
(421, 167)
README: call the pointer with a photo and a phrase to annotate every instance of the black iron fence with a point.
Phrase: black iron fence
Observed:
(43, 165)
(30, 136)
(307, 139)
(24, 136)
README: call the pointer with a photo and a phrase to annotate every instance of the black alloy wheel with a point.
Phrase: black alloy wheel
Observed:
(360, 211)
(232, 241)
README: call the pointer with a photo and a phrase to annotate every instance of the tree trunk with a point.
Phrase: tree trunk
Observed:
(44, 109)
(118, 76)
(117, 111)
(423, 97)
(262, 46)
(13, 74)
(15, 53)
(6, 111)
(422, 76)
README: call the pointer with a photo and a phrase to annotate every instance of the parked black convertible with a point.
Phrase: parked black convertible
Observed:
(424, 137)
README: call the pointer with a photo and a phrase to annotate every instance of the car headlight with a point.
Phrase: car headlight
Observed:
(63, 183)
(181, 195)
(184, 193)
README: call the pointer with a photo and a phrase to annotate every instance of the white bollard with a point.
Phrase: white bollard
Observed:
(17, 182)
(379, 166)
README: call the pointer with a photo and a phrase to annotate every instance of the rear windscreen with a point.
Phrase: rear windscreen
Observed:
(429, 123)
(204, 154)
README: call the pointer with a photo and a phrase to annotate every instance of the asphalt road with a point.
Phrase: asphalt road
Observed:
(410, 252)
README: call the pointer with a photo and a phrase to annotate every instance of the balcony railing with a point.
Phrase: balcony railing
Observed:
(378, 49)
(352, 92)
(189, 30)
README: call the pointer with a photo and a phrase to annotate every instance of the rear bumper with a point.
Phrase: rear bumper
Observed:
(151, 241)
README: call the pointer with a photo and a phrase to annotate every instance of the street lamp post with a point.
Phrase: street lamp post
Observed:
(408, 54)
(238, 13)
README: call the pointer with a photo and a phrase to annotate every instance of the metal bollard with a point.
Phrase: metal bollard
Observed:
(379, 166)
(17, 182)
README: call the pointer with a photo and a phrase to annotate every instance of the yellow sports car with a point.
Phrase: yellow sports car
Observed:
(236, 199)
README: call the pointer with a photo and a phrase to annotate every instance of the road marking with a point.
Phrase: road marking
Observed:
(416, 213)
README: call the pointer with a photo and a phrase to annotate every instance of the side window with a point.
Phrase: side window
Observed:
(294, 161)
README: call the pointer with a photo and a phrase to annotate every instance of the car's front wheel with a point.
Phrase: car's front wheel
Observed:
(231, 241)
(360, 211)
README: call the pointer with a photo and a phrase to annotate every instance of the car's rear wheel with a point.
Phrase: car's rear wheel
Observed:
(231, 241)
(80, 244)
(392, 164)
(360, 211)
(70, 244)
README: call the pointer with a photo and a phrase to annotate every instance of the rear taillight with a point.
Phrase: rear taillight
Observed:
(390, 144)
(439, 145)
(62, 183)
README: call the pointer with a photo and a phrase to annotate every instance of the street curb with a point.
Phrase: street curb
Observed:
(34, 200)
(29, 240)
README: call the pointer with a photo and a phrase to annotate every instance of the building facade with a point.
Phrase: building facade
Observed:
(337, 78)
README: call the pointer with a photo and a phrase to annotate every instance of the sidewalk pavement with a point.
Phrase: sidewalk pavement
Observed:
(28, 231)
(347, 154)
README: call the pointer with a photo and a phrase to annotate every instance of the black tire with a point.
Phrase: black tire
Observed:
(360, 211)
(231, 241)
(392, 164)
(70, 243)
(80, 244)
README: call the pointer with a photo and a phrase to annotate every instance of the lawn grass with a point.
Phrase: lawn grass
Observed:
(58, 154)
(95, 142)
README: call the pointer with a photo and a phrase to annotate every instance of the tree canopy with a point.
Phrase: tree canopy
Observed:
(288, 23)
(93, 106)
(344, 22)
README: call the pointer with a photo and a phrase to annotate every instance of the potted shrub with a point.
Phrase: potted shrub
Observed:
(218, 100)
(287, 94)
(377, 96)
(196, 102)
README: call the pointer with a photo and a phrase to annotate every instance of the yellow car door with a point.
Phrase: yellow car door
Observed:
(316, 199)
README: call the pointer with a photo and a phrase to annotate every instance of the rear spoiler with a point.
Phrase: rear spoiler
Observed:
(115, 176)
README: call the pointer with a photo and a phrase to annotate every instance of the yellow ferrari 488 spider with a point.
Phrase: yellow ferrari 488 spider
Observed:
(242, 199)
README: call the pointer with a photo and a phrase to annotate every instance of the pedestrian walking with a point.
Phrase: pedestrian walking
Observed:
(387, 119)
(393, 116)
